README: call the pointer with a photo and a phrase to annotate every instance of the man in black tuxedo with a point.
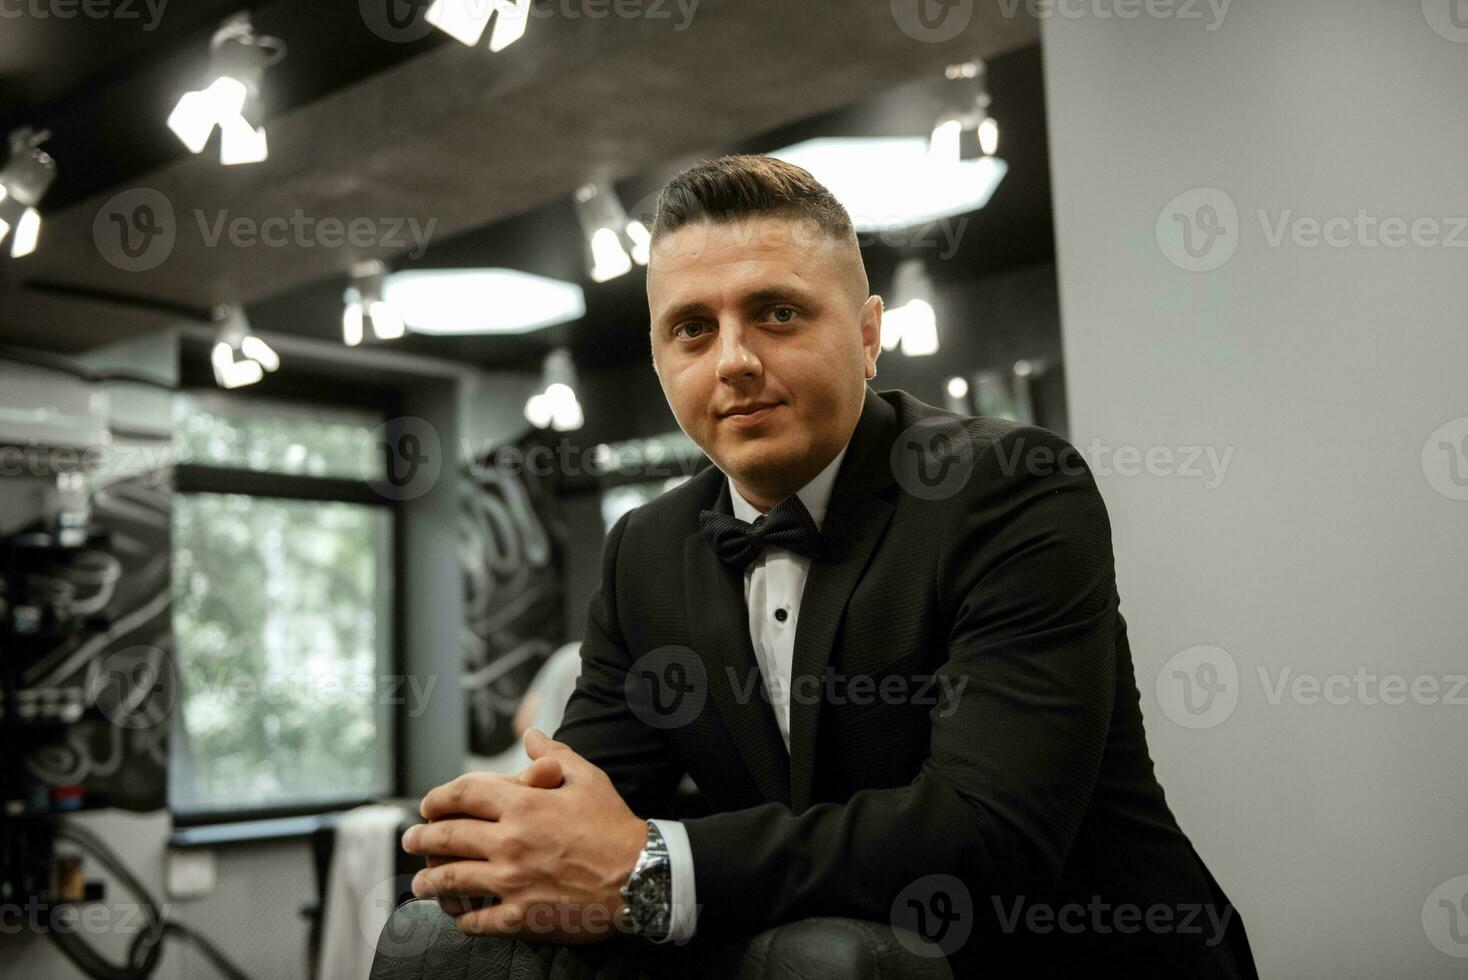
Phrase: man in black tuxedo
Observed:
(883, 640)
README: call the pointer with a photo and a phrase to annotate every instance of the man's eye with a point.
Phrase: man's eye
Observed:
(784, 309)
(686, 327)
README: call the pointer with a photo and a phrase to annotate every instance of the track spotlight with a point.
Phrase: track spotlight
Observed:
(615, 240)
(230, 98)
(965, 130)
(911, 322)
(366, 314)
(465, 20)
(27, 174)
(555, 406)
(239, 357)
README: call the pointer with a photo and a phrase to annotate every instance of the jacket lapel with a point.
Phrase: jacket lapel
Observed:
(855, 521)
(718, 625)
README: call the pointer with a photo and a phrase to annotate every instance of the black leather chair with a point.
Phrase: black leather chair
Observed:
(420, 942)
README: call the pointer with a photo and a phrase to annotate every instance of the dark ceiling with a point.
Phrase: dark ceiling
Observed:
(486, 146)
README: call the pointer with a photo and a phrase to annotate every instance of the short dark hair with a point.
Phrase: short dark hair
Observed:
(734, 187)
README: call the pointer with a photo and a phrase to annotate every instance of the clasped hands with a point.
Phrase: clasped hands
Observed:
(542, 854)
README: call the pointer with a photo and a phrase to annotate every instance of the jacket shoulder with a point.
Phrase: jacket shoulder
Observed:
(675, 510)
(981, 435)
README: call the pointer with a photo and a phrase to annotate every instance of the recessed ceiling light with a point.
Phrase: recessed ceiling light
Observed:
(890, 182)
(481, 301)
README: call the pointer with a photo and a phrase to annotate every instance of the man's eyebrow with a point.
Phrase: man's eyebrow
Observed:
(756, 297)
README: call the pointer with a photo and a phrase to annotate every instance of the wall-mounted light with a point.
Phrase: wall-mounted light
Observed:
(230, 97)
(911, 323)
(24, 180)
(465, 20)
(614, 240)
(555, 406)
(955, 395)
(239, 357)
(365, 313)
(965, 129)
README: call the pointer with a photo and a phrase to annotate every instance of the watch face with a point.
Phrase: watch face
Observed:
(649, 896)
(653, 883)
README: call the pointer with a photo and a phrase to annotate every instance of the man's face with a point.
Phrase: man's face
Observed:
(763, 343)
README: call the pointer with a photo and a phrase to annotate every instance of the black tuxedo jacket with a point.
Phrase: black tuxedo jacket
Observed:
(1018, 823)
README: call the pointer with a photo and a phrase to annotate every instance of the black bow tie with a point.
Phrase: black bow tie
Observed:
(787, 525)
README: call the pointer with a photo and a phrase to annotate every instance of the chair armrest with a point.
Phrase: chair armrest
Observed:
(835, 948)
(419, 942)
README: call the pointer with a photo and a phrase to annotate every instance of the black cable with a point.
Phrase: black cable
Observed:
(211, 952)
(147, 946)
(145, 949)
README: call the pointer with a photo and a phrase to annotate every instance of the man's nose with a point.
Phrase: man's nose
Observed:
(736, 359)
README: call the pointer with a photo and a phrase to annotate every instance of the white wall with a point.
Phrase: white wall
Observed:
(1325, 548)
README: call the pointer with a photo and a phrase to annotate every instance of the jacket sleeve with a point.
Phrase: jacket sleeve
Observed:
(1025, 578)
(598, 723)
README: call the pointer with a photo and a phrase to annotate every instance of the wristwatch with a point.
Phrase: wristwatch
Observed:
(648, 893)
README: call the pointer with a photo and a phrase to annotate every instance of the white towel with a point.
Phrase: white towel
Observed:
(360, 890)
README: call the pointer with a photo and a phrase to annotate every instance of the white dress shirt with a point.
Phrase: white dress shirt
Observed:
(773, 584)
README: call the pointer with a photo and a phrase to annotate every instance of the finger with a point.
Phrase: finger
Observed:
(543, 773)
(454, 837)
(454, 879)
(503, 776)
(454, 906)
(538, 744)
(502, 919)
(474, 794)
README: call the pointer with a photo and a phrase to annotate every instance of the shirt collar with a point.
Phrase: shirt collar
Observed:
(815, 495)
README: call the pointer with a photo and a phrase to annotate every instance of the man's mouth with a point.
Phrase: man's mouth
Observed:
(752, 414)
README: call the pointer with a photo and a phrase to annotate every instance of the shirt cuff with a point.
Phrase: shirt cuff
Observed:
(684, 919)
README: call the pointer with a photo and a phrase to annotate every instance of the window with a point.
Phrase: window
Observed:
(283, 603)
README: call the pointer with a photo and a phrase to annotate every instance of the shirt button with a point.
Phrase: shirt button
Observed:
(781, 614)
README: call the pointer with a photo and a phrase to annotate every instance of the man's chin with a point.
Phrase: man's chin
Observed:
(756, 464)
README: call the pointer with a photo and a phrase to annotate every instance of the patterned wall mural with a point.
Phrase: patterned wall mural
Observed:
(117, 670)
(512, 547)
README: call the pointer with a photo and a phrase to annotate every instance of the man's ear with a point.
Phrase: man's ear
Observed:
(871, 334)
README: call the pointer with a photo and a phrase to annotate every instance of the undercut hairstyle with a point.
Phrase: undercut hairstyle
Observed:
(732, 188)
(735, 187)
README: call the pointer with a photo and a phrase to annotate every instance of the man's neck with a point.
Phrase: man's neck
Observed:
(767, 496)
(763, 500)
